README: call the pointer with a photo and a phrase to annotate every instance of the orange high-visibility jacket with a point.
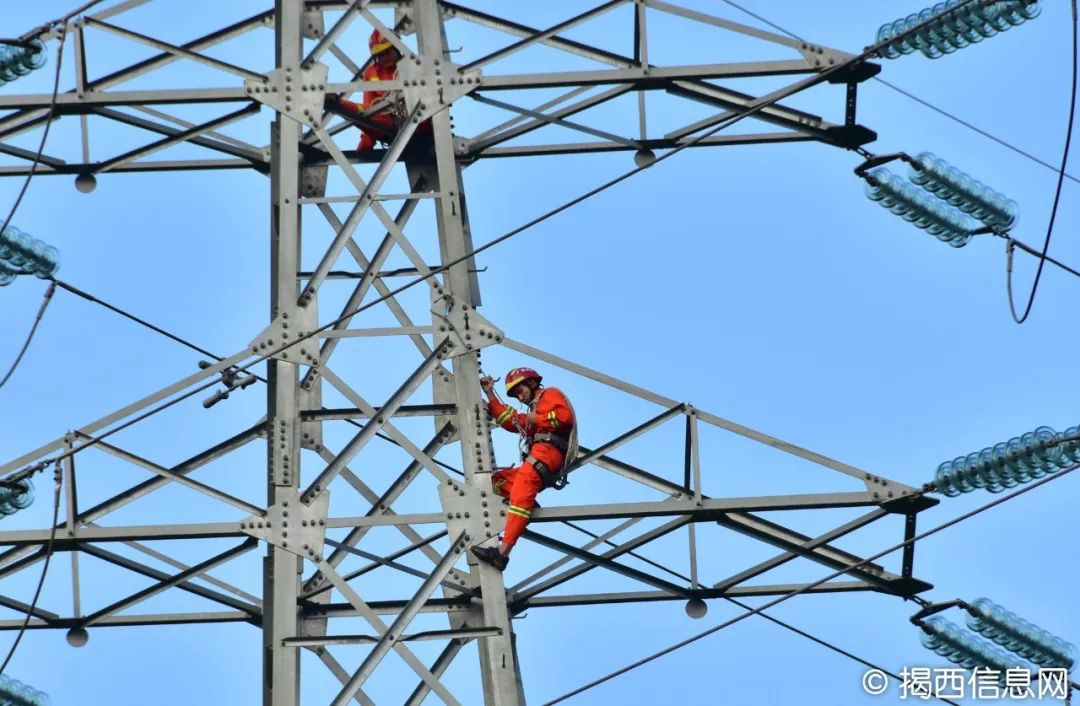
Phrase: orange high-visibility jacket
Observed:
(553, 414)
(384, 119)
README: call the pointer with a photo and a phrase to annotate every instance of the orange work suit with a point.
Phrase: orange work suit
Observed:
(521, 484)
(387, 121)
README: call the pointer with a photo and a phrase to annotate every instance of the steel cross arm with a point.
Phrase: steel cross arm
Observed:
(706, 417)
(738, 520)
(382, 421)
(520, 30)
(517, 595)
(181, 469)
(118, 9)
(639, 475)
(130, 620)
(775, 534)
(130, 409)
(725, 24)
(179, 52)
(761, 138)
(180, 479)
(251, 611)
(121, 534)
(772, 563)
(397, 628)
(707, 510)
(588, 456)
(140, 167)
(703, 593)
(29, 156)
(606, 563)
(549, 120)
(37, 612)
(373, 619)
(105, 507)
(517, 120)
(539, 36)
(25, 119)
(791, 541)
(596, 541)
(263, 151)
(257, 158)
(382, 505)
(263, 19)
(224, 585)
(170, 581)
(71, 104)
(639, 62)
(728, 99)
(645, 78)
(16, 560)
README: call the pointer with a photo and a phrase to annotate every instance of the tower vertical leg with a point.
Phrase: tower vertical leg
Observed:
(281, 570)
(498, 659)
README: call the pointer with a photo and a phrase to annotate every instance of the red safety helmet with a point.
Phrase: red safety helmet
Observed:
(519, 375)
(377, 43)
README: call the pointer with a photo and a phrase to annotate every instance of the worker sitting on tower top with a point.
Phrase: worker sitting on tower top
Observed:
(383, 124)
(548, 430)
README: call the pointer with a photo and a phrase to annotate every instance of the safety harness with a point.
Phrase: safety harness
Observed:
(567, 446)
(551, 479)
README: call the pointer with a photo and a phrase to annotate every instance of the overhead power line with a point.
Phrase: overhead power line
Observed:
(972, 127)
(30, 336)
(1057, 191)
(44, 570)
(142, 322)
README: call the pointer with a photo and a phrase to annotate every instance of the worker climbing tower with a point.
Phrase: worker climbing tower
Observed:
(326, 503)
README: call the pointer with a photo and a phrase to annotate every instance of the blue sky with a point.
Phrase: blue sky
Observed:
(757, 283)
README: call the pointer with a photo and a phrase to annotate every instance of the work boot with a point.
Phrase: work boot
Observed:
(491, 556)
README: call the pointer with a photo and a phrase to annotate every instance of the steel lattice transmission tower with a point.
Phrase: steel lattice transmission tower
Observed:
(307, 601)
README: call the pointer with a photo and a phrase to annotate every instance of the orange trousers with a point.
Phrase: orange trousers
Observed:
(521, 485)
